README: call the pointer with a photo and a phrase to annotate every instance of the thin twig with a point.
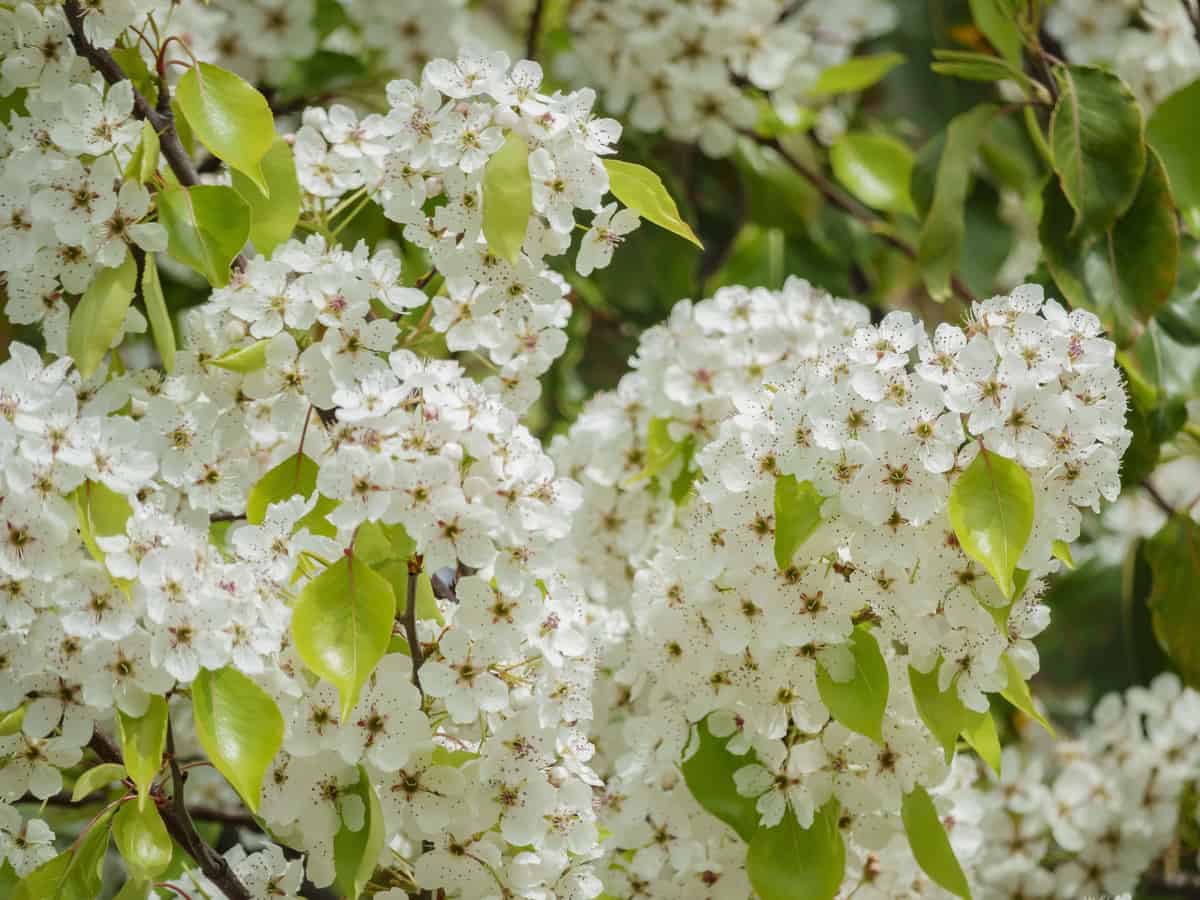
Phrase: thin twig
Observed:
(534, 36)
(410, 622)
(1159, 500)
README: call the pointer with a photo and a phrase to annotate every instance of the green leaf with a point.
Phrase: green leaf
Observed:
(507, 197)
(295, 475)
(355, 853)
(709, 776)
(1062, 552)
(207, 226)
(875, 168)
(75, 873)
(142, 839)
(859, 703)
(376, 542)
(797, 516)
(984, 67)
(244, 359)
(855, 74)
(943, 713)
(275, 212)
(396, 572)
(1126, 273)
(997, 20)
(1174, 557)
(135, 888)
(95, 778)
(11, 721)
(1174, 132)
(144, 161)
(788, 862)
(98, 318)
(930, 844)
(229, 117)
(643, 192)
(661, 451)
(1096, 143)
(944, 229)
(991, 510)
(101, 512)
(239, 727)
(1016, 692)
(142, 743)
(981, 735)
(134, 65)
(157, 313)
(342, 624)
(44, 881)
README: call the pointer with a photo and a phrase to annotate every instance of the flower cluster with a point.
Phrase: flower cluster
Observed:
(1149, 42)
(65, 212)
(692, 70)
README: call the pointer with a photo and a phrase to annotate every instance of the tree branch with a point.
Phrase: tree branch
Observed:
(534, 36)
(179, 823)
(410, 623)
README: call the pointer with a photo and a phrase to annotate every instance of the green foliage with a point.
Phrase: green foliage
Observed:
(295, 475)
(709, 776)
(788, 862)
(239, 726)
(342, 625)
(943, 713)
(100, 512)
(1016, 692)
(1173, 130)
(797, 516)
(1174, 557)
(930, 844)
(142, 742)
(75, 873)
(98, 318)
(643, 192)
(95, 778)
(875, 168)
(855, 74)
(144, 161)
(157, 313)
(142, 839)
(859, 703)
(355, 851)
(229, 117)
(244, 360)
(991, 510)
(982, 736)
(507, 197)
(207, 226)
(275, 211)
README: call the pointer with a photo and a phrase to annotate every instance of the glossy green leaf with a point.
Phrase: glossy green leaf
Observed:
(797, 516)
(709, 776)
(375, 542)
(161, 328)
(1062, 552)
(991, 510)
(295, 475)
(788, 862)
(997, 19)
(75, 873)
(875, 168)
(856, 74)
(239, 727)
(930, 844)
(1174, 557)
(100, 512)
(244, 359)
(859, 703)
(1174, 132)
(207, 226)
(1096, 142)
(97, 319)
(981, 734)
(11, 721)
(355, 853)
(95, 778)
(1016, 692)
(142, 839)
(1126, 273)
(342, 624)
(275, 212)
(943, 713)
(144, 161)
(507, 197)
(944, 228)
(228, 116)
(643, 192)
(136, 888)
(142, 742)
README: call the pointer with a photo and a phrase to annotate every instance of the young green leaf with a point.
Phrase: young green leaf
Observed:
(275, 212)
(991, 510)
(944, 228)
(1016, 692)
(239, 727)
(1096, 141)
(1174, 132)
(142, 743)
(356, 852)
(981, 734)
(709, 776)
(295, 475)
(943, 713)
(95, 778)
(1174, 557)
(930, 844)
(142, 839)
(207, 226)
(342, 625)
(75, 873)
(98, 318)
(11, 721)
(859, 703)
(985, 67)
(661, 451)
(157, 313)
(228, 116)
(643, 192)
(144, 161)
(507, 197)
(101, 512)
(797, 516)
(1062, 552)
(875, 168)
(855, 74)
(244, 359)
(788, 862)
(997, 20)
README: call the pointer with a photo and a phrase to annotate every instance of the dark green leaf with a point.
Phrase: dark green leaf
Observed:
(1174, 557)
(207, 226)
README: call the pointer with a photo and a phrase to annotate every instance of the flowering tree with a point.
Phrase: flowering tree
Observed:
(342, 554)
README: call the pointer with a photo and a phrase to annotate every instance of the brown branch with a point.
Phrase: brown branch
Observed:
(179, 823)
(534, 36)
(1159, 500)
(410, 623)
